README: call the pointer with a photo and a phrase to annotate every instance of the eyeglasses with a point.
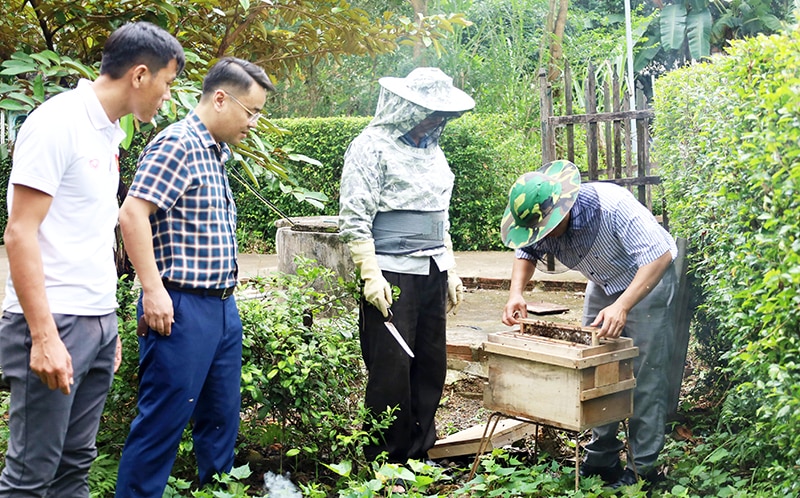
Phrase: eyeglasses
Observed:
(254, 116)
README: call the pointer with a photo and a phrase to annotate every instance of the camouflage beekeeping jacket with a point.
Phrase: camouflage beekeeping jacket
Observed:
(381, 173)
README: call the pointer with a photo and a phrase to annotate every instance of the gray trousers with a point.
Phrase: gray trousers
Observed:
(52, 435)
(651, 326)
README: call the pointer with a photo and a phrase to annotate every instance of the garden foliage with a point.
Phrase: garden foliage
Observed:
(302, 374)
(302, 377)
(728, 143)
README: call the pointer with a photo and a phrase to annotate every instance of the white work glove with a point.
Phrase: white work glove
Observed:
(377, 290)
(455, 291)
(455, 288)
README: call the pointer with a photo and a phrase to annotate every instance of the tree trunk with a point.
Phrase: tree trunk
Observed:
(420, 9)
(559, 10)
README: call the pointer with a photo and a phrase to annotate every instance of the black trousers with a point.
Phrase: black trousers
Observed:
(414, 385)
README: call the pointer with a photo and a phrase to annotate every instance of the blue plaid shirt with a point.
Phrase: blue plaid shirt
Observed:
(194, 229)
(609, 237)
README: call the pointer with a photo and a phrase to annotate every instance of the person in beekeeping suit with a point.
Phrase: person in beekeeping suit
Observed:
(395, 195)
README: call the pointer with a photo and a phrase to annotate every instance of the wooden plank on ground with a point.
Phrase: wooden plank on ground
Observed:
(543, 308)
(467, 442)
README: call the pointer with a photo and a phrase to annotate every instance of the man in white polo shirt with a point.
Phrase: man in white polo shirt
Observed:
(58, 333)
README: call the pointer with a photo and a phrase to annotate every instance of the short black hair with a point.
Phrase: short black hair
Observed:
(236, 74)
(140, 43)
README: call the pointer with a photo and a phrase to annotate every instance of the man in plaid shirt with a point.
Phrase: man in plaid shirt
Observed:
(179, 227)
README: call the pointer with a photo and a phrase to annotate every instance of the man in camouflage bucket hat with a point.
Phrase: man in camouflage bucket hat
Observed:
(538, 201)
(601, 230)
(394, 201)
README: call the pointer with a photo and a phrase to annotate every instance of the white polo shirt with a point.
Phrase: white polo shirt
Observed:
(69, 149)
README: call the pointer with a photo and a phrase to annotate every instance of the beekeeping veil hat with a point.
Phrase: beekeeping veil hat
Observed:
(430, 88)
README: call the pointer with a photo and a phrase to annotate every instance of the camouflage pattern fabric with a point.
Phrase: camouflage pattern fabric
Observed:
(538, 202)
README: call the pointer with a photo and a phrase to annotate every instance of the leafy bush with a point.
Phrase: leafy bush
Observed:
(302, 376)
(485, 153)
(730, 150)
(5, 171)
(502, 474)
(120, 408)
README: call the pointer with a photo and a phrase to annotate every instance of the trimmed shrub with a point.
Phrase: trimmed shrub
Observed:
(729, 149)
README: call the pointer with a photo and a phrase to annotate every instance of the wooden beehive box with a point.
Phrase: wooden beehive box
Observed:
(552, 374)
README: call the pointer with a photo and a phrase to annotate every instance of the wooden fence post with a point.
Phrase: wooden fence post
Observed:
(568, 110)
(546, 110)
(590, 91)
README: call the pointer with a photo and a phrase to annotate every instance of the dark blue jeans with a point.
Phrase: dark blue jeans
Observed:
(193, 374)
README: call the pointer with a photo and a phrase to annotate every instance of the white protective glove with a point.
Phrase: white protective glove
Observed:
(455, 288)
(377, 290)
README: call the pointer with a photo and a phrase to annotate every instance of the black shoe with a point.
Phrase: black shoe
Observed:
(628, 478)
(610, 474)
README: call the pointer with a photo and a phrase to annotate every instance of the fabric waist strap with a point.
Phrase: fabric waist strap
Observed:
(406, 232)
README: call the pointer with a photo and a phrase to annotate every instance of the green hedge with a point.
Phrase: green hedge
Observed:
(728, 140)
(484, 152)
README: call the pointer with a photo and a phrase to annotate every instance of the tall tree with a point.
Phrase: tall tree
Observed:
(277, 34)
(556, 49)
(554, 36)
(420, 11)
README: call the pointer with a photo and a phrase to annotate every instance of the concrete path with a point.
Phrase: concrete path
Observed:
(490, 268)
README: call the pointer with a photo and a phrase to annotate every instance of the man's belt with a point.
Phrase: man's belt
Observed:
(220, 293)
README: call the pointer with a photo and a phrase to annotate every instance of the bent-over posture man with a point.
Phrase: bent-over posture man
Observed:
(601, 230)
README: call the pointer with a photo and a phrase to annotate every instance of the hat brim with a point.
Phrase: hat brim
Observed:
(564, 172)
(457, 100)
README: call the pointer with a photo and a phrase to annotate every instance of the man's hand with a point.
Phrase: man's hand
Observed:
(51, 361)
(158, 310)
(515, 308)
(613, 318)
(611, 321)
